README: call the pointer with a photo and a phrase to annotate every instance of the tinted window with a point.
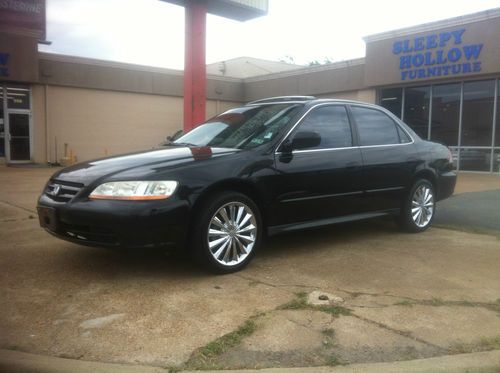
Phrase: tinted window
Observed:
(331, 123)
(403, 137)
(375, 127)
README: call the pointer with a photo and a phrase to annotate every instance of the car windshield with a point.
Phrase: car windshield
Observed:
(242, 128)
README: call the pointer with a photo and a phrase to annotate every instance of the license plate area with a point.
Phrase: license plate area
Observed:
(47, 216)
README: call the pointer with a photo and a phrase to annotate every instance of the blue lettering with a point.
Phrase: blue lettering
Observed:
(432, 41)
(419, 44)
(404, 62)
(418, 60)
(412, 74)
(472, 51)
(466, 68)
(457, 35)
(397, 47)
(404, 75)
(454, 54)
(444, 37)
(476, 66)
(429, 61)
(406, 46)
(455, 69)
(421, 73)
(446, 69)
(440, 60)
(4, 58)
(431, 71)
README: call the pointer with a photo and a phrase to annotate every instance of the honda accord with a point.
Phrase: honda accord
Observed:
(272, 166)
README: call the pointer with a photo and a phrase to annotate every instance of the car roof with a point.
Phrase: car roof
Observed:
(305, 99)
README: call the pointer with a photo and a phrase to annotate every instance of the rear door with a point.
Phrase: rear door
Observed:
(323, 181)
(389, 157)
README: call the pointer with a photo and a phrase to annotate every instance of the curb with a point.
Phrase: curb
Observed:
(480, 362)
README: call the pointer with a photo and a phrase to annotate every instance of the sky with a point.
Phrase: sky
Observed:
(151, 32)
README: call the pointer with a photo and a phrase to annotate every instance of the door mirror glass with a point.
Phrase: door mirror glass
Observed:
(305, 140)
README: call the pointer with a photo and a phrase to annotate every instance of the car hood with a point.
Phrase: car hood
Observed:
(148, 162)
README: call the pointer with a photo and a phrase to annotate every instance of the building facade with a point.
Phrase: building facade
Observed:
(441, 78)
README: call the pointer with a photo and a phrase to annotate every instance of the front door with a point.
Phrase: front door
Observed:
(324, 181)
(18, 137)
(16, 119)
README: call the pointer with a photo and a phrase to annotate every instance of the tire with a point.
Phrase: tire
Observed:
(227, 232)
(419, 207)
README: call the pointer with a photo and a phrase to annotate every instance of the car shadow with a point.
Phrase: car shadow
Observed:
(116, 263)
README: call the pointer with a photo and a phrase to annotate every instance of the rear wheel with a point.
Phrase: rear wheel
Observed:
(227, 232)
(419, 207)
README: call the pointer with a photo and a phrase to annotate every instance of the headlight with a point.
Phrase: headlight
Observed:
(134, 190)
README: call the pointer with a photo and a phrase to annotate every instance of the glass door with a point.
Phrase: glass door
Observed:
(19, 137)
(17, 123)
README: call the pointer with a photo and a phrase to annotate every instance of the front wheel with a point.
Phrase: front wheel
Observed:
(419, 207)
(227, 232)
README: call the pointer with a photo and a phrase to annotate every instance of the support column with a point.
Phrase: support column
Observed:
(195, 75)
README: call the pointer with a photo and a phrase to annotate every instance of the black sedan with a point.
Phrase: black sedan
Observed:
(269, 167)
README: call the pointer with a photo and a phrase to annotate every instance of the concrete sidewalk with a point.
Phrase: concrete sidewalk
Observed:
(21, 362)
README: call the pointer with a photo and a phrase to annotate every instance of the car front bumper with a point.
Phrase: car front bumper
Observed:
(105, 223)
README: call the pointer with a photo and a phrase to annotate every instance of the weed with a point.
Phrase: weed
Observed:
(204, 358)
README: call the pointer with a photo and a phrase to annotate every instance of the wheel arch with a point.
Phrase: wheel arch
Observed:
(235, 185)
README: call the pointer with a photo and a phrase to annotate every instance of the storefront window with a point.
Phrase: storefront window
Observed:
(473, 159)
(416, 109)
(477, 115)
(391, 99)
(445, 113)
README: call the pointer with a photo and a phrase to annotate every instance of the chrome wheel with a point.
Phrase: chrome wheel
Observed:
(422, 205)
(232, 233)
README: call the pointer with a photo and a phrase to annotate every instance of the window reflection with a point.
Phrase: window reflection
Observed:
(416, 110)
(391, 99)
(477, 115)
(445, 113)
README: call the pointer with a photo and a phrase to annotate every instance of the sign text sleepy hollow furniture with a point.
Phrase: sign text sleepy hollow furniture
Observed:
(437, 55)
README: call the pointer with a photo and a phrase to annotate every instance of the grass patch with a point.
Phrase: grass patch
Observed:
(334, 361)
(328, 332)
(205, 357)
(405, 302)
(300, 303)
(484, 344)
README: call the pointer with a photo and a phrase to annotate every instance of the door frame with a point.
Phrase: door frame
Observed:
(7, 112)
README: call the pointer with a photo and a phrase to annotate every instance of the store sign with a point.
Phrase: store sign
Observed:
(23, 17)
(437, 55)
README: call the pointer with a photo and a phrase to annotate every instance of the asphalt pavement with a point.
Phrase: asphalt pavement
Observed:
(478, 211)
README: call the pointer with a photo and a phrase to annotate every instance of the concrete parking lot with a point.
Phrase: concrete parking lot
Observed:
(355, 293)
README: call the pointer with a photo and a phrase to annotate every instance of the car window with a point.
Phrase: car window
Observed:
(403, 137)
(374, 127)
(331, 123)
(242, 128)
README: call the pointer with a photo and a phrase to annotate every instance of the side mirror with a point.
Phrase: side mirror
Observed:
(304, 140)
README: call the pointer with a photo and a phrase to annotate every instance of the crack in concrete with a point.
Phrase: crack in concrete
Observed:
(19, 207)
(400, 332)
(19, 219)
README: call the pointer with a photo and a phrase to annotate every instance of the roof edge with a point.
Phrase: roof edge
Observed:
(430, 26)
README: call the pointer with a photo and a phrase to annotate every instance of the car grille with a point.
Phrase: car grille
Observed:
(62, 191)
